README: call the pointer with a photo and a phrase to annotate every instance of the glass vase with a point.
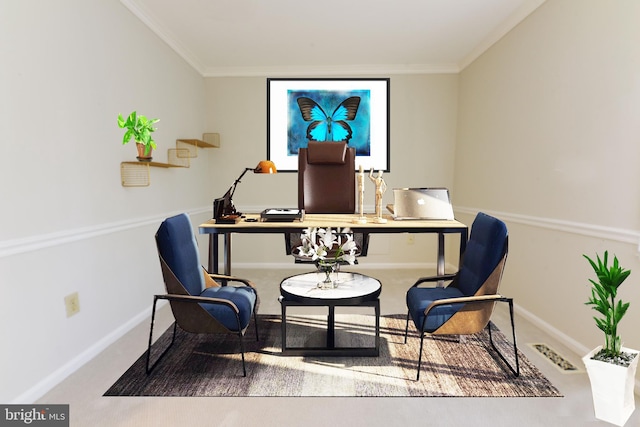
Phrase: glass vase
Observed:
(329, 269)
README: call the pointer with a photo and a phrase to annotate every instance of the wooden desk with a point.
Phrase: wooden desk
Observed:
(327, 220)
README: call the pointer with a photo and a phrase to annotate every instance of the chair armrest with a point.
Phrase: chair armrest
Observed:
(199, 300)
(464, 300)
(232, 279)
(447, 277)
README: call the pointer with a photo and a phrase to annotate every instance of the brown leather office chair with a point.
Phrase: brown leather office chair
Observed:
(327, 184)
(326, 178)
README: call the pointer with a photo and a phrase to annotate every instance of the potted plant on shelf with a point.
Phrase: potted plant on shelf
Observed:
(139, 128)
(611, 367)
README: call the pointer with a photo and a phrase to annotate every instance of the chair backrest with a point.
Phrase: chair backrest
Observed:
(178, 248)
(326, 178)
(486, 247)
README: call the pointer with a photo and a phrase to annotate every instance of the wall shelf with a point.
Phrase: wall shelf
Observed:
(137, 174)
(209, 140)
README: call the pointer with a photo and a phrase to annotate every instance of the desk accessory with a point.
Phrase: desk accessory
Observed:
(421, 203)
(228, 219)
(361, 219)
(223, 206)
(381, 187)
(281, 215)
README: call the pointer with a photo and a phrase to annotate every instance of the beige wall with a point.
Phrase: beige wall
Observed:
(67, 223)
(423, 130)
(542, 130)
(549, 139)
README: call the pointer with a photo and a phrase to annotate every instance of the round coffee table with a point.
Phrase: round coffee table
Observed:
(353, 289)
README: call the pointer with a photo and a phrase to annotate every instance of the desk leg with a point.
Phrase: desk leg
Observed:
(213, 253)
(440, 264)
(227, 253)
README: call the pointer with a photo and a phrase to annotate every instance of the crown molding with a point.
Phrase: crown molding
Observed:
(509, 24)
(282, 71)
(331, 70)
(168, 38)
(334, 70)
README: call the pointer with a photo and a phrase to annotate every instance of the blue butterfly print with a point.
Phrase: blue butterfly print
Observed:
(329, 128)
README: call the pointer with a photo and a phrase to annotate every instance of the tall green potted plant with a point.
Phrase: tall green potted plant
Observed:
(611, 367)
(139, 128)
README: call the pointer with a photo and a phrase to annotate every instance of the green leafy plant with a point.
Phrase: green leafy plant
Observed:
(140, 129)
(603, 300)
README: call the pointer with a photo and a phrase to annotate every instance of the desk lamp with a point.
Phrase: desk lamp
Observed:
(224, 205)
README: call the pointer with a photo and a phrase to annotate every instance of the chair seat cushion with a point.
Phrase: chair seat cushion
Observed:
(418, 299)
(244, 297)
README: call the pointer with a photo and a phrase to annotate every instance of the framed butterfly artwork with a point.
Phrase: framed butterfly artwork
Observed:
(353, 110)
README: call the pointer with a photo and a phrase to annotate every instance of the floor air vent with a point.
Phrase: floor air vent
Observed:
(556, 358)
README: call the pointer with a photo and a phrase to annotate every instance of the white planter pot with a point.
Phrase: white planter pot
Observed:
(612, 388)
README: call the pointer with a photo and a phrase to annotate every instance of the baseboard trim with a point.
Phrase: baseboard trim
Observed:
(571, 343)
(574, 345)
(55, 378)
(48, 383)
(23, 245)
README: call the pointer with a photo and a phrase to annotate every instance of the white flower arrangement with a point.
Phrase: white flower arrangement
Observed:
(328, 245)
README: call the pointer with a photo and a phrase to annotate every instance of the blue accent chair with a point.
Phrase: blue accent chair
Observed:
(199, 304)
(465, 306)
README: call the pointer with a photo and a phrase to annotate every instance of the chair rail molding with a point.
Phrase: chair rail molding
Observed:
(37, 242)
(583, 229)
(42, 241)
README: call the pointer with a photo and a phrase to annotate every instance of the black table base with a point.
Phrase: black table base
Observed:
(331, 349)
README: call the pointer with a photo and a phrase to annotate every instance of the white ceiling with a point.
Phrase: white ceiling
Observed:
(327, 37)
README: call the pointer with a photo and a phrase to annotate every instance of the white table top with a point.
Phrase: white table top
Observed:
(350, 285)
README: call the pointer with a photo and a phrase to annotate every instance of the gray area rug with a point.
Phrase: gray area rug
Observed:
(210, 365)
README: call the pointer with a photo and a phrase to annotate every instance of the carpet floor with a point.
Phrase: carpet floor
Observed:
(211, 365)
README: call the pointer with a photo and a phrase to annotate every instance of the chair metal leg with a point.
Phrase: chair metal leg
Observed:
(244, 368)
(516, 370)
(241, 336)
(255, 322)
(173, 339)
(406, 332)
(420, 357)
(424, 322)
(406, 329)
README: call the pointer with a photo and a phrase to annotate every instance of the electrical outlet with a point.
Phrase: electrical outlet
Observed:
(411, 239)
(72, 304)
